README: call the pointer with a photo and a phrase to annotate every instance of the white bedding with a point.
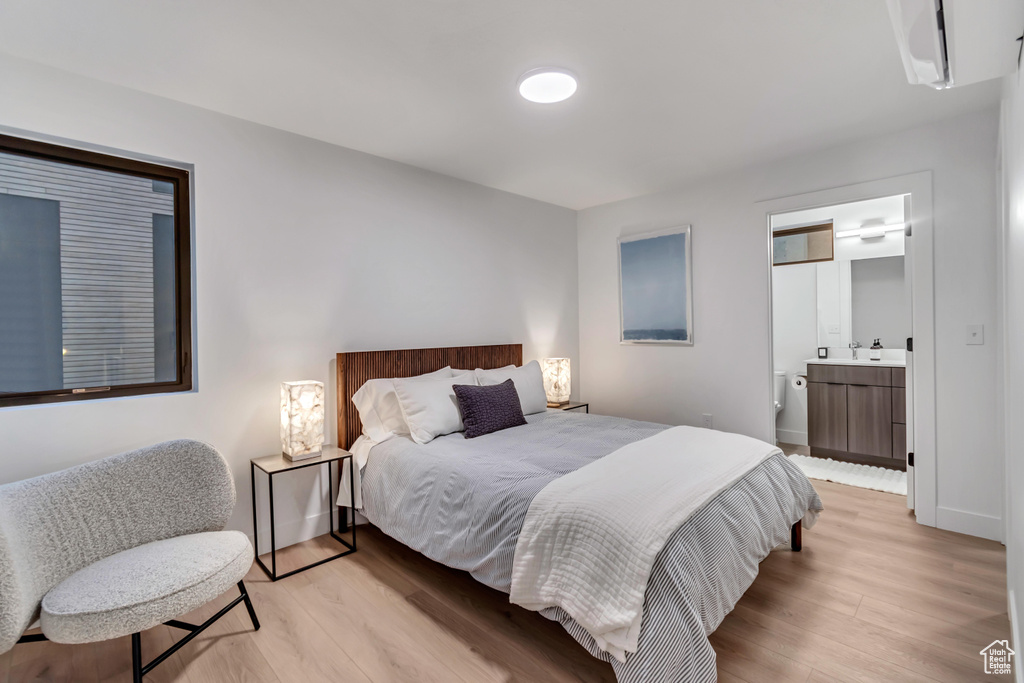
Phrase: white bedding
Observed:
(360, 451)
(573, 554)
(462, 502)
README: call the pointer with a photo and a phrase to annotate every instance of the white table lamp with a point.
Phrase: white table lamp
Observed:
(302, 419)
(557, 380)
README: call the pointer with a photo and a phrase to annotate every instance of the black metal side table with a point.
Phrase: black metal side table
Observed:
(276, 464)
(572, 406)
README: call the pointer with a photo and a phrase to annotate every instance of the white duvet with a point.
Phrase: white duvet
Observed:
(590, 537)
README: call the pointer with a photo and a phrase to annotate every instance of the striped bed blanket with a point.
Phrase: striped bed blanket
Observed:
(463, 503)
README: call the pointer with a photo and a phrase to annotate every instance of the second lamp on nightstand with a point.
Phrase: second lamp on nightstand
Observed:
(557, 381)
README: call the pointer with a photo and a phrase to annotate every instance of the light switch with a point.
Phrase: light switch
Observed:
(975, 334)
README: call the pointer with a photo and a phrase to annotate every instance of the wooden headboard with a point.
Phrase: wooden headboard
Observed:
(355, 367)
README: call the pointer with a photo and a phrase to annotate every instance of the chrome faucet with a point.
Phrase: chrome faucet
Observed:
(854, 345)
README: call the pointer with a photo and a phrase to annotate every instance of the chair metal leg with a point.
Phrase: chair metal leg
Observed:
(248, 606)
(139, 669)
(137, 658)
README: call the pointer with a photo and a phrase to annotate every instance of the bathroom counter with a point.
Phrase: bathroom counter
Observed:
(884, 363)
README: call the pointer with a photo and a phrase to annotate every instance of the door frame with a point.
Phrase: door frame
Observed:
(921, 247)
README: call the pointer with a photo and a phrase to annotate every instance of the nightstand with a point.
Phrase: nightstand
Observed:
(272, 465)
(572, 406)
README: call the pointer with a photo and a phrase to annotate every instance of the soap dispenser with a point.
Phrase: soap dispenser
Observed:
(876, 350)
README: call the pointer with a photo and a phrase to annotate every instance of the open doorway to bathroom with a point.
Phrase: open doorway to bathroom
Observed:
(841, 320)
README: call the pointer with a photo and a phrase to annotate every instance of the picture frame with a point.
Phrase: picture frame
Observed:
(656, 288)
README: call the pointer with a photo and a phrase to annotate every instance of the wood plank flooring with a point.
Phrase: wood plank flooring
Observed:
(872, 597)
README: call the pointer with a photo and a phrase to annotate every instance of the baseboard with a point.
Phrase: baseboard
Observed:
(971, 523)
(298, 530)
(791, 436)
(1018, 671)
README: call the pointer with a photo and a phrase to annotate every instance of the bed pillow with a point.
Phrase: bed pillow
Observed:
(429, 406)
(378, 407)
(507, 367)
(489, 409)
(529, 383)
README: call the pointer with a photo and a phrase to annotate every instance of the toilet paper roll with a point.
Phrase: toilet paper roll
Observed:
(799, 382)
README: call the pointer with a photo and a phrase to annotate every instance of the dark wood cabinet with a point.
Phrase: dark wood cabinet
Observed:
(869, 420)
(826, 416)
(869, 377)
(858, 413)
(899, 441)
(832, 374)
(899, 405)
(899, 415)
(848, 374)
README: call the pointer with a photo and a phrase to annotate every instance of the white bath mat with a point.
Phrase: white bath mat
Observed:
(852, 474)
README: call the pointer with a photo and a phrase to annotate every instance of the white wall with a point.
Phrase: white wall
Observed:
(302, 249)
(1012, 243)
(726, 372)
(795, 335)
(856, 249)
(835, 322)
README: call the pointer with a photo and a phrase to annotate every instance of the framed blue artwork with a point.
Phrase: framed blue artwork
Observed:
(656, 288)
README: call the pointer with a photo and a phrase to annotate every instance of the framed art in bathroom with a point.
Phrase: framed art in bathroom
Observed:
(656, 288)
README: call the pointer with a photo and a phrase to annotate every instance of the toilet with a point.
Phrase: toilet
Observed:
(780, 391)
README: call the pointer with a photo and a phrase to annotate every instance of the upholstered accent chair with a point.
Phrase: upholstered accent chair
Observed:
(117, 546)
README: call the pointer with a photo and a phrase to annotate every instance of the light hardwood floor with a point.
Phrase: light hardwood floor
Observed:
(872, 597)
(791, 448)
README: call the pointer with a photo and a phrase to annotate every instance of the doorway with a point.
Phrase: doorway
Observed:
(841, 293)
(864, 398)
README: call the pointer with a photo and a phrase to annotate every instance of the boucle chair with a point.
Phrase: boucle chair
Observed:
(117, 546)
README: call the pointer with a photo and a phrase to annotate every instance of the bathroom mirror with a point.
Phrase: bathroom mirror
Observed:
(862, 300)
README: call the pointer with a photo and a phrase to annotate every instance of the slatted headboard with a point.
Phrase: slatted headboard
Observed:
(355, 367)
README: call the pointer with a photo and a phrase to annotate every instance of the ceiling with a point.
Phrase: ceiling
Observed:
(669, 91)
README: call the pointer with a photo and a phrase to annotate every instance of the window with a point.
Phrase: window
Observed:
(95, 275)
(806, 244)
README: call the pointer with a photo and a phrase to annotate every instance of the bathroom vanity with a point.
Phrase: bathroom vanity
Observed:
(856, 411)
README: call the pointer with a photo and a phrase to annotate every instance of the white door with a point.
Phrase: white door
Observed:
(908, 273)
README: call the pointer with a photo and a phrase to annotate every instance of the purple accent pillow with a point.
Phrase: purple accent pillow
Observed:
(489, 409)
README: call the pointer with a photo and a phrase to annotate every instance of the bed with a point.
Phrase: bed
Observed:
(463, 502)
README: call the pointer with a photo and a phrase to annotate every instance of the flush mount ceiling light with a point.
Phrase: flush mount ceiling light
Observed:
(547, 85)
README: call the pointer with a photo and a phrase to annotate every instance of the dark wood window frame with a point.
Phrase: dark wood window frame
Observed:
(805, 230)
(183, 271)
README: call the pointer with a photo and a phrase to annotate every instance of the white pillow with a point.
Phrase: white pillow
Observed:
(378, 405)
(529, 381)
(459, 372)
(430, 407)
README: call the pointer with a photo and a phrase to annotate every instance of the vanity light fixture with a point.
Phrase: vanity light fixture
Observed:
(547, 85)
(866, 232)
